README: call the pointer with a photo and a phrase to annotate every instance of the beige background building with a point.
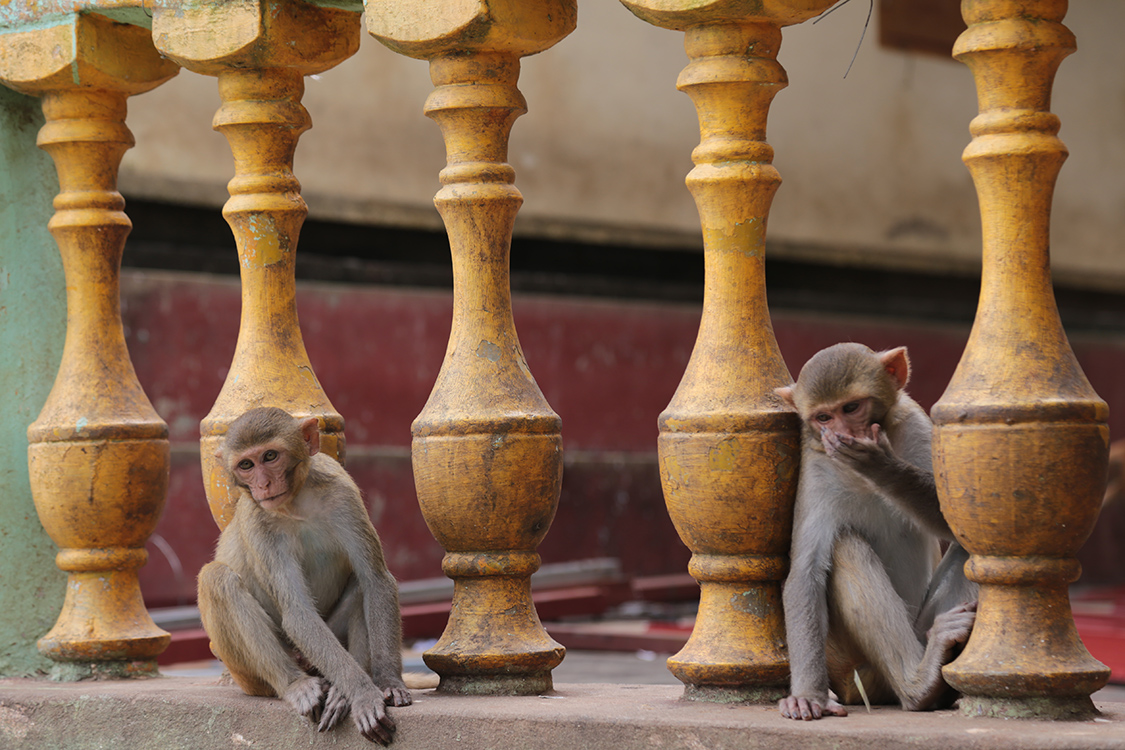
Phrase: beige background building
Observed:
(870, 163)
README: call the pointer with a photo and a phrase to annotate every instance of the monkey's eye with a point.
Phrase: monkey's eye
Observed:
(851, 407)
(823, 417)
(246, 464)
(269, 455)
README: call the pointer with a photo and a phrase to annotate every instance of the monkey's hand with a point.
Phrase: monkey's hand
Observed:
(807, 709)
(865, 455)
(371, 717)
(306, 694)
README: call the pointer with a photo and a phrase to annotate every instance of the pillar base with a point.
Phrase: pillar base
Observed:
(522, 684)
(762, 694)
(1072, 708)
(736, 652)
(76, 671)
(494, 643)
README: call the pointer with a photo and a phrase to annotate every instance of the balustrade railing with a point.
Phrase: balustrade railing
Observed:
(1020, 437)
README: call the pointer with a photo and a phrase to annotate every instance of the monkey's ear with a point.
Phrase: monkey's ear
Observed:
(897, 365)
(310, 431)
(786, 395)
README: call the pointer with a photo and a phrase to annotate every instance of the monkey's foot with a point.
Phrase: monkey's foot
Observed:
(306, 694)
(950, 632)
(952, 629)
(805, 709)
(397, 696)
(335, 708)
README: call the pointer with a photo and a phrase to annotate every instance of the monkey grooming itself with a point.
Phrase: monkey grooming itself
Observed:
(298, 602)
(862, 597)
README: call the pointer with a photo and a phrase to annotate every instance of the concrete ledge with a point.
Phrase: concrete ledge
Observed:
(195, 714)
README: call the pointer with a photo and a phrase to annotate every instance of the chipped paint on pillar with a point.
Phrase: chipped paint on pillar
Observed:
(487, 447)
(31, 335)
(727, 445)
(260, 51)
(25, 14)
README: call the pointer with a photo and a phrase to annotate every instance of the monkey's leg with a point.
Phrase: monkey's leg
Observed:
(246, 639)
(876, 620)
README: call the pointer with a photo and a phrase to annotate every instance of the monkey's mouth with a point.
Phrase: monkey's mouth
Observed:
(269, 503)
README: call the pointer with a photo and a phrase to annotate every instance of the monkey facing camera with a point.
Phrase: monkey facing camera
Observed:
(298, 602)
(872, 609)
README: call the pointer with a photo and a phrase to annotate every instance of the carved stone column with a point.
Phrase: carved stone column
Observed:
(1020, 436)
(487, 448)
(260, 50)
(729, 449)
(98, 454)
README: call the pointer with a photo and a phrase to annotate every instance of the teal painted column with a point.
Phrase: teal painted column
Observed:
(32, 328)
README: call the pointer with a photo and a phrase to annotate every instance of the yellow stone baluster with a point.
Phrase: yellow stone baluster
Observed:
(98, 454)
(729, 449)
(487, 448)
(1020, 436)
(260, 50)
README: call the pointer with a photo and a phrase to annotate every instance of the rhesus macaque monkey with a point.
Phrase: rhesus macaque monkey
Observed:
(862, 596)
(298, 602)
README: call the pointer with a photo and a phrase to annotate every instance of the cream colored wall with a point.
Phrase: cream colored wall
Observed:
(871, 163)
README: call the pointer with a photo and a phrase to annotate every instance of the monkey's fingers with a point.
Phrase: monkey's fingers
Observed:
(335, 708)
(831, 441)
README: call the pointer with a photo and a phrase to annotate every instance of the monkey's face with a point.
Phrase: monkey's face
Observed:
(853, 418)
(265, 471)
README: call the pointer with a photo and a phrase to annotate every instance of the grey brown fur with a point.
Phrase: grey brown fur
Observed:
(298, 602)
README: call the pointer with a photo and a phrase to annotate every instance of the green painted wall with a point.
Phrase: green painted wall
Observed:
(32, 327)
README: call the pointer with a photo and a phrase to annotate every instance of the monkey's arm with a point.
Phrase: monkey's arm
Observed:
(311, 635)
(909, 486)
(381, 613)
(805, 596)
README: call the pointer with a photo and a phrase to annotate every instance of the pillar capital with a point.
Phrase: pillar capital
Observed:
(683, 14)
(80, 50)
(521, 29)
(209, 38)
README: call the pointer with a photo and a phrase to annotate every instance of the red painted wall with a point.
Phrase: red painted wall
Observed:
(608, 368)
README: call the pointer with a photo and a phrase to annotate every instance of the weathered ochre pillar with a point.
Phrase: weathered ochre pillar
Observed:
(260, 50)
(1020, 436)
(487, 448)
(729, 449)
(98, 454)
